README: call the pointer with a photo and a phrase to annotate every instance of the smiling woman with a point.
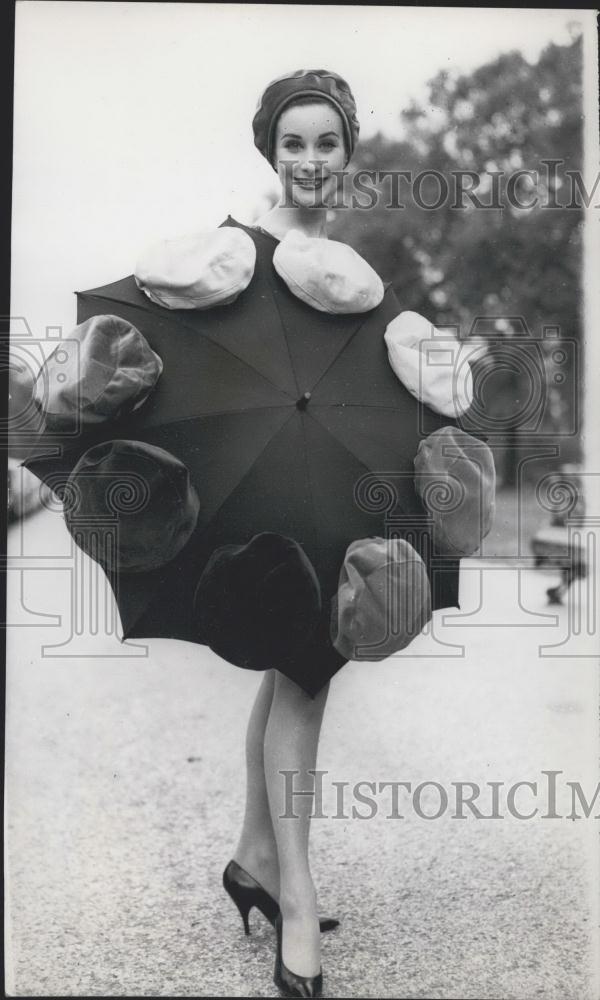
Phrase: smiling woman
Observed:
(145, 830)
(277, 395)
(306, 127)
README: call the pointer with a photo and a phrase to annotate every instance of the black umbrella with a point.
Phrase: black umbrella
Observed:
(290, 421)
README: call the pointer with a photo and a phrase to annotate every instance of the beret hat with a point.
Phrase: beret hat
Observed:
(438, 375)
(255, 604)
(327, 275)
(456, 480)
(104, 370)
(21, 381)
(25, 421)
(383, 599)
(197, 271)
(318, 83)
(145, 489)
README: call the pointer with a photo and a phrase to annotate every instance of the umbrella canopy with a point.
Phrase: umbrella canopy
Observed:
(278, 411)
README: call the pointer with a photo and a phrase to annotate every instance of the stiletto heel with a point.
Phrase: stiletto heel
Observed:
(246, 892)
(290, 984)
(244, 911)
(241, 900)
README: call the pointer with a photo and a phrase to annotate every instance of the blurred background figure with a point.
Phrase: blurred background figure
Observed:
(552, 546)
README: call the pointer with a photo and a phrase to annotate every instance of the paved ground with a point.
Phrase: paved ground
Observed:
(124, 783)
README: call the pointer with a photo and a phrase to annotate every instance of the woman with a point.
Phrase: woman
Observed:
(306, 126)
(269, 331)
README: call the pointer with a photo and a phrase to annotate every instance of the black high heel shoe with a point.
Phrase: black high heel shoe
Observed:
(246, 892)
(290, 984)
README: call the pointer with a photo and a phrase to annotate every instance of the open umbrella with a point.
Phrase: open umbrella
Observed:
(289, 421)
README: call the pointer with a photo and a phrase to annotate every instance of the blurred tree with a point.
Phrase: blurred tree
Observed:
(455, 264)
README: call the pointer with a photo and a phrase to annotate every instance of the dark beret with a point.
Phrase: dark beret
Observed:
(142, 493)
(256, 604)
(383, 599)
(455, 477)
(318, 83)
(102, 371)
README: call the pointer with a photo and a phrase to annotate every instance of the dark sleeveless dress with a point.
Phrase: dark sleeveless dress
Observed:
(336, 466)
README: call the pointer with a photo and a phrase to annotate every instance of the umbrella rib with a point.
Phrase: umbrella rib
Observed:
(337, 356)
(341, 444)
(364, 406)
(337, 440)
(248, 470)
(221, 347)
(213, 413)
(283, 327)
(310, 484)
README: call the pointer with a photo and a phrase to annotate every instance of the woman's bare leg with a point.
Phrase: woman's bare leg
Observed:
(256, 851)
(291, 740)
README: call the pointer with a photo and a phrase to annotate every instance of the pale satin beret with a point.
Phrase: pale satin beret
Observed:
(456, 480)
(383, 599)
(327, 275)
(102, 371)
(434, 366)
(197, 271)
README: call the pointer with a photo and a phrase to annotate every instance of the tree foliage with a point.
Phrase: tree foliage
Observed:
(457, 264)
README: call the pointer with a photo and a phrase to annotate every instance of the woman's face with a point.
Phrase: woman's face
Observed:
(309, 147)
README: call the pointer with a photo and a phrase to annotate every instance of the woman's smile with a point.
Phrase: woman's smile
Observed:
(311, 185)
(309, 153)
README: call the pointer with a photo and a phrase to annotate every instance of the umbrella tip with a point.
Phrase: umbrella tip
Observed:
(302, 403)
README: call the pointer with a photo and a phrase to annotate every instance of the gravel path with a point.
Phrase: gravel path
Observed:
(124, 784)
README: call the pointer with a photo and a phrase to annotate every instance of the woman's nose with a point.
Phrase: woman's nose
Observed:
(310, 163)
(306, 166)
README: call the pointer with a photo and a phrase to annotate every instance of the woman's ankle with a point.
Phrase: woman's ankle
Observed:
(301, 939)
(298, 900)
(260, 861)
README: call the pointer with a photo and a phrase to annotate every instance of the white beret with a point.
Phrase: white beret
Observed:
(327, 275)
(432, 365)
(197, 271)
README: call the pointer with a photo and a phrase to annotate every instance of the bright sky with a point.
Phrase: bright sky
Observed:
(132, 121)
